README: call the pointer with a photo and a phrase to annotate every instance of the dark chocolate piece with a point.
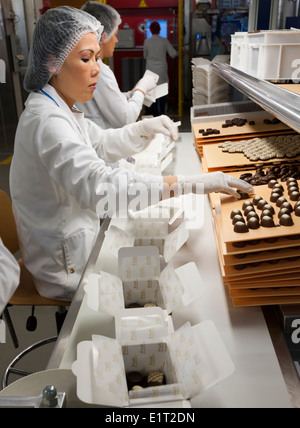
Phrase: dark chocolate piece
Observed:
(267, 221)
(235, 212)
(280, 201)
(134, 378)
(261, 204)
(240, 227)
(286, 220)
(253, 223)
(256, 199)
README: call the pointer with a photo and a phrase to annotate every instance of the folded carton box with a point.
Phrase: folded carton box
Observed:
(148, 232)
(192, 359)
(140, 282)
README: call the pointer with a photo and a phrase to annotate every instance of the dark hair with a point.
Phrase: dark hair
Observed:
(155, 27)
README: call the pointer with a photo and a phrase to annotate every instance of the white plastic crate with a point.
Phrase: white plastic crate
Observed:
(268, 54)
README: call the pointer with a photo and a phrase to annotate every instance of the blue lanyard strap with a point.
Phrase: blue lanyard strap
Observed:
(49, 96)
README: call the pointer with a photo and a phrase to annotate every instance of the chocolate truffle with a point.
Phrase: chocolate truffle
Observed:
(297, 211)
(248, 209)
(272, 183)
(235, 212)
(267, 221)
(237, 218)
(283, 211)
(269, 207)
(240, 227)
(256, 199)
(252, 214)
(253, 223)
(280, 201)
(266, 213)
(274, 196)
(286, 220)
(294, 196)
(134, 378)
(261, 204)
(247, 204)
(292, 189)
(278, 187)
(287, 205)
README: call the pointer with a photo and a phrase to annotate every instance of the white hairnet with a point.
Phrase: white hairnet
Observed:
(107, 15)
(56, 34)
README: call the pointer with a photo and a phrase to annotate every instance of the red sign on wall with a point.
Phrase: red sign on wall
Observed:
(134, 4)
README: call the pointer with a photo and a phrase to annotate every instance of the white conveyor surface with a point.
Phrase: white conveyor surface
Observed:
(257, 381)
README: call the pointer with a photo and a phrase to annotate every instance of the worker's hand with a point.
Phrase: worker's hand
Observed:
(159, 125)
(217, 182)
(146, 84)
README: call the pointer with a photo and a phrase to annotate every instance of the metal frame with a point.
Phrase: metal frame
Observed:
(283, 104)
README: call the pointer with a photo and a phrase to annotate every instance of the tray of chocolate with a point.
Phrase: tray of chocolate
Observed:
(263, 269)
(250, 153)
(236, 128)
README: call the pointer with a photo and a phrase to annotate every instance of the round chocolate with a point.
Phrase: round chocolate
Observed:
(283, 211)
(235, 212)
(278, 187)
(287, 205)
(252, 214)
(239, 244)
(134, 378)
(240, 227)
(293, 189)
(247, 204)
(291, 180)
(272, 183)
(256, 199)
(237, 218)
(253, 223)
(286, 220)
(296, 204)
(267, 221)
(294, 196)
(266, 213)
(248, 209)
(297, 211)
(269, 207)
(280, 201)
(261, 204)
(274, 196)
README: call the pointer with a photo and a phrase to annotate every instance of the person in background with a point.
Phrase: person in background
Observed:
(60, 182)
(156, 49)
(109, 107)
(9, 275)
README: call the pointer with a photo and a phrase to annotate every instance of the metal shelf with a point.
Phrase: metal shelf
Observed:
(283, 104)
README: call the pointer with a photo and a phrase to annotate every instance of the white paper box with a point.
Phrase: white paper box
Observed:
(148, 232)
(192, 359)
(173, 289)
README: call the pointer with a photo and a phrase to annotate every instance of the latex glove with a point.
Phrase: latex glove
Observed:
(159, 125)
(146, 84)
(217, 182)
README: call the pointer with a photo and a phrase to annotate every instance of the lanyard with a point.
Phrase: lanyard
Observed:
(49, 96)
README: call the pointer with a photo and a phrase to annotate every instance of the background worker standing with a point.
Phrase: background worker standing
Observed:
(156, 49)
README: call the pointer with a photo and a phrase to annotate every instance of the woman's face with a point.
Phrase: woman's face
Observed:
(107, 49)
(77, 79)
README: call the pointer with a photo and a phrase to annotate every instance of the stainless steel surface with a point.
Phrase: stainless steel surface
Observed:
(283, 104)
(35, 402)
(65, 332)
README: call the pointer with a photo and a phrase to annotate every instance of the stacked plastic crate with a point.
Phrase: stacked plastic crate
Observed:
(268, 54)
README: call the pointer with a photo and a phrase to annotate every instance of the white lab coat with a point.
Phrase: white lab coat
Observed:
(109, 107)
(9, 275)
(56, 181)
(156, 49)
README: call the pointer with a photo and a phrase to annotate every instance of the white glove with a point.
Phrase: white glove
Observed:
(159, 125)
(217, 182)
(146, 84)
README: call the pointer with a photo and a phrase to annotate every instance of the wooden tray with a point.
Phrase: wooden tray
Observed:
(216, 160)
(245, 131)
(263, 301)
(229, 203)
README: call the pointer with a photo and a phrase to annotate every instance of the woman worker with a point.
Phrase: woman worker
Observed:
(156, 49)
(109, 107)
(58, 175)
